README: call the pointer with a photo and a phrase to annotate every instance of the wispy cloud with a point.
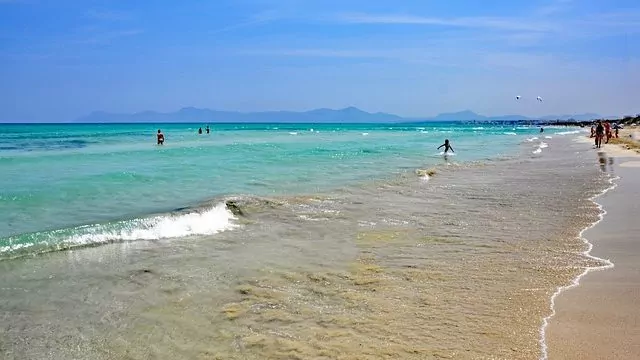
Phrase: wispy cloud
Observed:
(109, 36)
(440, 56)
(554, 7)
(629, 19)
(324, 52)
(107, 15)
(465, 22)
(257, 19)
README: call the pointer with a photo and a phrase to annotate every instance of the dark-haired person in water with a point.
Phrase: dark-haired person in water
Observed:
(160, 137)
(446, 145)
(599, 134)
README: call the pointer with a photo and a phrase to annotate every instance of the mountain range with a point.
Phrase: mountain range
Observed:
(346, 115)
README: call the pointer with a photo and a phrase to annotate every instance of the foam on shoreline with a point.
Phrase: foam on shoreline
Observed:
(576, 281)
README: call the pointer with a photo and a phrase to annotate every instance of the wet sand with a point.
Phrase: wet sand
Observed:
(599, 319)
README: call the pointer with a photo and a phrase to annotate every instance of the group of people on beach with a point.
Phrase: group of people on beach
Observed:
(160, 135)
(602, 130)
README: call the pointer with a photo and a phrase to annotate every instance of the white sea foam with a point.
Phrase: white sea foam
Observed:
(365, 134)
(207, 222)
(570, 132)
(542, 145)
(293, 133)
(576, 281)
(548, 137)
(510, 133)
(532, 139)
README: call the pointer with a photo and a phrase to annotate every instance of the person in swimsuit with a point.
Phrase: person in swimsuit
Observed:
(160, 137)
(607, 131)
(599, 134)
(207, 129)
(200, 131)
(447, 146)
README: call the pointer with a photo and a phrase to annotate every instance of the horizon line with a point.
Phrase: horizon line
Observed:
(536, 121)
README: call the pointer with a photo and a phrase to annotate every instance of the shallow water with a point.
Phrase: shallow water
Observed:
(105, 185)
(457, 265)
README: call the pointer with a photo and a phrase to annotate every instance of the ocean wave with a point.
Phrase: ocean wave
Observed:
(206, 221)
(570, 132)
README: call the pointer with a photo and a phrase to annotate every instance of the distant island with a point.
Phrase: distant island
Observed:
(346, 115)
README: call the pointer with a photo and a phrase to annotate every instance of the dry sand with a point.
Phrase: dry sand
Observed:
(600, 319)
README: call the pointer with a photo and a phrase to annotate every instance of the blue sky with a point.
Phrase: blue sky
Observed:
(63, 59)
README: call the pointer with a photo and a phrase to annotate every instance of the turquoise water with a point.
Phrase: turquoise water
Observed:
(65, 185)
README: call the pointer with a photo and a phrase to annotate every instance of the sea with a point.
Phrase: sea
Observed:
(288, 241)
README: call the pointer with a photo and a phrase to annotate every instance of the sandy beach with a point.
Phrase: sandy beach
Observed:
(599, 319)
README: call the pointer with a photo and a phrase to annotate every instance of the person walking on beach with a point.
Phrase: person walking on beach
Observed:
(599, 134)
(447, 146)
(616, 127)
(160, 137)
(607, 131)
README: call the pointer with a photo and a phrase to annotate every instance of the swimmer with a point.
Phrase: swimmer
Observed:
(207, 129)
(200, 131)
(446, 145)
(160, 137)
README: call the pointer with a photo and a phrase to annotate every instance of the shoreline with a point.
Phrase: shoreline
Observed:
(575, 282)
(580, 326)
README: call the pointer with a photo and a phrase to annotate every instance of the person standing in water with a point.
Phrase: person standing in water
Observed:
(607, 131)
(599, 134)
(200, 131)
(447, 146)
(207, 129)
(160, 137)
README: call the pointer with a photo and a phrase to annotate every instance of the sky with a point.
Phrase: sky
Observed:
(62, 59)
